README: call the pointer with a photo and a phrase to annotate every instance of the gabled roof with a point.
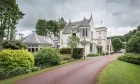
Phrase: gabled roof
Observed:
(85, 23)
(34, 38)
(77, 25)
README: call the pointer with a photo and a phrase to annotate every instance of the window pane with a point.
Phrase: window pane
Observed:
(86, 32)
(83, 33)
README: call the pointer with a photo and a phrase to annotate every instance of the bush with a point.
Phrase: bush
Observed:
(111, 52)
(47, 57)
(65, 50)
(77, 53)
(15, 72)
(10, 59)
(93, 55)
(67, 57)
(13, 44)
(131, 58)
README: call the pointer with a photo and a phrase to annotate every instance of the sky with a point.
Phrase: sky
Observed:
(119, 16)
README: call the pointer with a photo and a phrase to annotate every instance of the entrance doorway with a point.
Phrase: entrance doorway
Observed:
(99, 49)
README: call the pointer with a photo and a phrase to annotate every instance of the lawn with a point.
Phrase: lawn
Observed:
(119, 72)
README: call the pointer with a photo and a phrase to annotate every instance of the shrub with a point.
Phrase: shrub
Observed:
(67, 57)
(93, 55)
(111, 52)
(77, 53)
(20, 70)
(47, 57)
(10, 59)
(131, 58)
(3, 74)
(17, 71)
(65, 50)
(13, 44)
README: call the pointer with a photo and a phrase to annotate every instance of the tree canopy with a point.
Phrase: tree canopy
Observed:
(9, 17)
(73, 41)
(117, 44)
(53, 26)
(133, 45)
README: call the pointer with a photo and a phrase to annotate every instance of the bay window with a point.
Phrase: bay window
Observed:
(84, 32)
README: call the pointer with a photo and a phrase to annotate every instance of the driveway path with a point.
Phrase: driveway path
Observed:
(84, 72)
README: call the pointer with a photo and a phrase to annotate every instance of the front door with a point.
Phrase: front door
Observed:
(99, 48)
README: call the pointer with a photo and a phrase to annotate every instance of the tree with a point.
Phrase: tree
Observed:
(9, 17)
(73, 41)
(117, 44)
(41, 27)
(138, 28)
(133, 45)
(61, 23)
(52, 26)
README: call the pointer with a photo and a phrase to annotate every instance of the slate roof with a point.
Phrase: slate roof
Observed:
(75, 25)
(34, 38)
(85, 23)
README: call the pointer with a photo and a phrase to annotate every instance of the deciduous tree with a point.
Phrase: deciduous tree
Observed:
(133, 45)
(117, 44)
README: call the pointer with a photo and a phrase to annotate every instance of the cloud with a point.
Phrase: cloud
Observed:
(115, 14)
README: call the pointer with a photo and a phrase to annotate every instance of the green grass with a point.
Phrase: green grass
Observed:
(20, 77)
(119, 72)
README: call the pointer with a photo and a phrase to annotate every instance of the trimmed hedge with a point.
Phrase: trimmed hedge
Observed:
(77, 53)
(131, 58)
(65, 50)
(11, 59)
(47, 57)
(93, 55)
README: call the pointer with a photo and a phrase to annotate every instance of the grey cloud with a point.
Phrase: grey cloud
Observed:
(114, 13)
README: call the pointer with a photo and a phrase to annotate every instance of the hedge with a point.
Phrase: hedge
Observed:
(77, 53)
(93, 55)
(65, 50)
(131, 58)
(4, 74)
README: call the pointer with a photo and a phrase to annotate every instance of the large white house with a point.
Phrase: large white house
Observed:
(93, 39)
